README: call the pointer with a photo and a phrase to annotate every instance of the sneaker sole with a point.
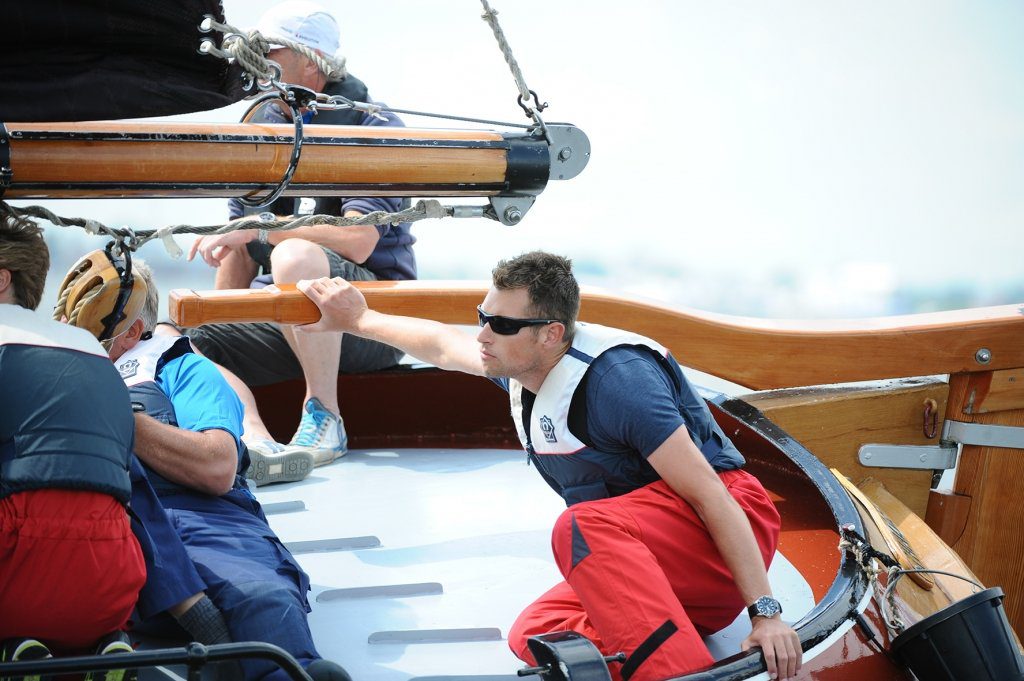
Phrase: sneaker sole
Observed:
(27, 651)
(114, 647)
(322, 457)
(284, 467)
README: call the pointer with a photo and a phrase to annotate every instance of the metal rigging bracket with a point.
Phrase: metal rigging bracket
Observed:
(508, 210)
(529, 112)
(568, 152)
(942, 456)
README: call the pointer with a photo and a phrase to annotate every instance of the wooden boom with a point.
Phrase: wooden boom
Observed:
(136, 159)
(756, 353)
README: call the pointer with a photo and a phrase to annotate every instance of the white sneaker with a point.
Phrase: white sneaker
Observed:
(272, 462)
(321, 433)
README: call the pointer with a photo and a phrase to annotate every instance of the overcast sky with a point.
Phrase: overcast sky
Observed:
(879, 138)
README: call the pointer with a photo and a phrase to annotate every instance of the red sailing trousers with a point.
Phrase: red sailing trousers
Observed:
(638, 561)
(70, 567)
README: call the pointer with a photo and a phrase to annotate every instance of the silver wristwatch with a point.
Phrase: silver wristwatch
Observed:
(765, 606)
(265, 216)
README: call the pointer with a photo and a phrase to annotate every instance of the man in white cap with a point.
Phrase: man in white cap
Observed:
(304, 39)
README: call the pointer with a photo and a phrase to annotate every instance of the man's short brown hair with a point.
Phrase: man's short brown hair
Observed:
(549, 282)
(24, 253)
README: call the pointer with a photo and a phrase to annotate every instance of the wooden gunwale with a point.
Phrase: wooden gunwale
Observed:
(756, 353)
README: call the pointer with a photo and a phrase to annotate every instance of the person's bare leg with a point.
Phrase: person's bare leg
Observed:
(253, 426)
(181, 608)
(318, 353)
(321, 430)
(269, 461)
(237, 270)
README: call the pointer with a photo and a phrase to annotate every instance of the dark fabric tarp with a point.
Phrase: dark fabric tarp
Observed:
(78, 60)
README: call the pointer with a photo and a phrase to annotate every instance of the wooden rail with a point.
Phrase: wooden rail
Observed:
(756, 353)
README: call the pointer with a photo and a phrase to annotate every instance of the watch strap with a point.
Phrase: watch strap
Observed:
(765, 606)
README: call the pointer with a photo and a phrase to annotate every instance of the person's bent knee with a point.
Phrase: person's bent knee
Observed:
(571, 518)
(563, 526)
(295, 259)
(518, 634)
(267, 592)
(572, 537)
(562, 541)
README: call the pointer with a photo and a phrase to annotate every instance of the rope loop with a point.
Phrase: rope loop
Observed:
(525, 93)
(249, 50)
(870, 560)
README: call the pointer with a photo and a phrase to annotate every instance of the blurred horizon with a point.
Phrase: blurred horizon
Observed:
(855, 290)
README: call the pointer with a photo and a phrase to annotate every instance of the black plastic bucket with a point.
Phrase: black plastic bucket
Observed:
(969, 640)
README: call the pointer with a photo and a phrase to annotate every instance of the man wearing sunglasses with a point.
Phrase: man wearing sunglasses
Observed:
(665, 538)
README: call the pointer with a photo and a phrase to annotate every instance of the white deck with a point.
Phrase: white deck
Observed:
(467, 532)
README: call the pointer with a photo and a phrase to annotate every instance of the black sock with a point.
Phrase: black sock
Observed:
(205, 623)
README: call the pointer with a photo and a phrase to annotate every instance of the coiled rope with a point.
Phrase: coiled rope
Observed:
(873, 564)
(248, 49)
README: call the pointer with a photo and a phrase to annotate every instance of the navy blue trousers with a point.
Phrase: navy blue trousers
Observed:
(171, 576)
(248, 573)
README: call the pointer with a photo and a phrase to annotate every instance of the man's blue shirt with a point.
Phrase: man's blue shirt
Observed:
(202, 399)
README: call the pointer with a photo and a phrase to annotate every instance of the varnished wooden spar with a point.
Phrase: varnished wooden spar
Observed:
(756, 353)
(145, 159)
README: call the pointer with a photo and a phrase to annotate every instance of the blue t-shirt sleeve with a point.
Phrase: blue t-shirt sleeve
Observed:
(202, 399)
(631, 402)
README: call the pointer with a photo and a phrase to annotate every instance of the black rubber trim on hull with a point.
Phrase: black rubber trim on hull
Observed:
(840, 602)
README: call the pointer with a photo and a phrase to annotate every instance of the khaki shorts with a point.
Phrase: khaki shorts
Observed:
(259, 355)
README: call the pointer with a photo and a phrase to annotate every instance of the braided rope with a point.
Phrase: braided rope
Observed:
(332, 67)
(132, 240)
(73, 317)
(491, 17)
(62, 298)
(245, 50)
(890, 610)
(92, 226)
(873, 563)
(871, 567)
(249, 49)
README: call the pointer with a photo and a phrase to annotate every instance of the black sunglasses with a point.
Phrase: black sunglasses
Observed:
(507, 326)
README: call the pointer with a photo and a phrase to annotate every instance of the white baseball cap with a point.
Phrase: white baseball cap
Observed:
(302, 22)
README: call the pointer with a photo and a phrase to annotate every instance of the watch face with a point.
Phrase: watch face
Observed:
(766, 606)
